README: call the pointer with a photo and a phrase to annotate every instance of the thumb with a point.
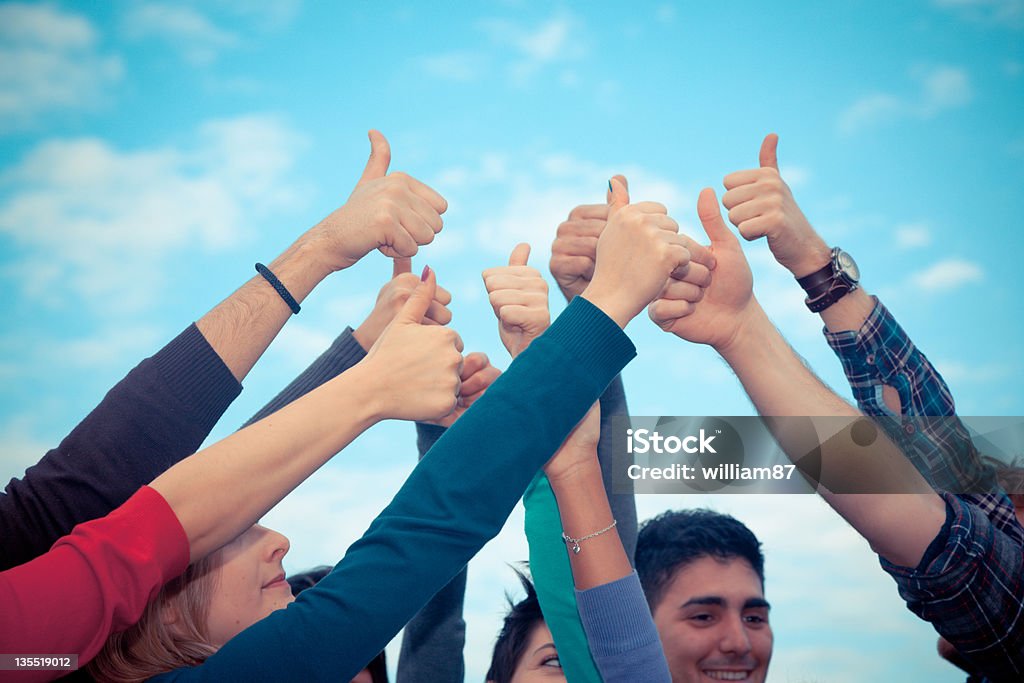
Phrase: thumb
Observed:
(520, 255)
(419, 301)
(621, 179)
(711, 218)
(380, 157)
(403, 264)
(618, 195)
(767, 156)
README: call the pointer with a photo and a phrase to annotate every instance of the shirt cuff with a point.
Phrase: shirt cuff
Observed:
(880, 347)
(197, 376)
(616, 617)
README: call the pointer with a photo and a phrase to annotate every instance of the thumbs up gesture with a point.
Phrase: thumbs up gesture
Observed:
(415, 367)
(391, 212)
(519, 297)
(392, 298)
(715, 315)
(639, 249)
(760, 204)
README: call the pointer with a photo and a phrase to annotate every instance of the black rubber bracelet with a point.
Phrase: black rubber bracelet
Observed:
(281, 289)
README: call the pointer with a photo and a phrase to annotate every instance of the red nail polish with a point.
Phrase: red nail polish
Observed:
(426, 273)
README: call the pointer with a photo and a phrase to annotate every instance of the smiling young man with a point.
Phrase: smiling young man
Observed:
(703, 574)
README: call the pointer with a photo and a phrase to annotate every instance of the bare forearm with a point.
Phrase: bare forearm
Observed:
(241, 327)
(780, 384)
(849, 313)
(227, 487)
(583, 507)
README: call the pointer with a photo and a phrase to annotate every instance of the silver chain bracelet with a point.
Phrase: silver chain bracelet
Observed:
(576, 541)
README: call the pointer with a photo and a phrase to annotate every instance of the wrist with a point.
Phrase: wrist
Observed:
(610, 302)
(749, 333)
(300, 268)
(367, 334)
(362, 382)
(582, 472)
(816, 256)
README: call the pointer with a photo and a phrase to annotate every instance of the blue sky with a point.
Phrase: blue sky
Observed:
(151, 153)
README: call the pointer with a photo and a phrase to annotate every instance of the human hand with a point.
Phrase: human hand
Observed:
(392, 297)
(394, 213)
(477, 374)
(727, 301)
(416, 368)
(574, 251)
(519, 297)
(639, 249)
(760, 204)
(579, 448)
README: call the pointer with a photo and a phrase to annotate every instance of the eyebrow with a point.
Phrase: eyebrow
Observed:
(545, 645)
(718, 601)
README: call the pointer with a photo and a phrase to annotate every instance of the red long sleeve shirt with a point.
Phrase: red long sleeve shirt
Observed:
(93, 582)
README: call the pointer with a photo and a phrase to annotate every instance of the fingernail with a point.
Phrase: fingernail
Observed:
(426, 274)
(610, 186)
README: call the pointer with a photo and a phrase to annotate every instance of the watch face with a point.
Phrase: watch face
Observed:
(847, 266)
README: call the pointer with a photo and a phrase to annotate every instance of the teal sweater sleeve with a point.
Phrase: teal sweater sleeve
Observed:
(552, 578)
(455, 500)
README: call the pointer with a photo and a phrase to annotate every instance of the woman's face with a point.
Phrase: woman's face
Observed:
(249, 583)
(539, 661)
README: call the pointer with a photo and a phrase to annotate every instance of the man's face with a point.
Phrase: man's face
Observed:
(713, 623)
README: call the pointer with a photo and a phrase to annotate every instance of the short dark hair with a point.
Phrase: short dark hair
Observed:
(522, 617)
(674, 539)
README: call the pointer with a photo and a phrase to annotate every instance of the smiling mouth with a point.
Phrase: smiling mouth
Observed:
(277, 582)
(727, 675)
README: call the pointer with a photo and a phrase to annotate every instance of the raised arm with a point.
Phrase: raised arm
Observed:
(351, 345)
(99, 578)
(731, 320)
(164, 409)
(954, 568)
(889, 376)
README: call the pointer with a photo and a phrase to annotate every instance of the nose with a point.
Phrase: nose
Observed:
(733, 637)
(275, 544)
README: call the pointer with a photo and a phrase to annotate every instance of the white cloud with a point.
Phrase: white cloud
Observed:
(538, 193)
(49, 60)
(199, 40)
(1009, 13)
(92, 217)
(795, 176)
(21, 448)
(868, 110)
(939, 88)
(947, 275)
(462, 67)
(516, 51)
(944, 88)
(913, 235)
(665, 14)
(957, 372)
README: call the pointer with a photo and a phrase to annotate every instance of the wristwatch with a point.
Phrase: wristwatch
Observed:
(826, 286)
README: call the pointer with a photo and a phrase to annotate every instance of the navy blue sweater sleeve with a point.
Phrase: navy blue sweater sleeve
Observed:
(455, 500)
(623, 505)
(342, 354)
(158, 414)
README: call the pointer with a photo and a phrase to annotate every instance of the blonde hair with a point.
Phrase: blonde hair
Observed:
(171, 634)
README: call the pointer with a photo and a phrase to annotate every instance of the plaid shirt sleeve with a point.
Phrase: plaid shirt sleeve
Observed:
(881, 354)
(970, 586)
